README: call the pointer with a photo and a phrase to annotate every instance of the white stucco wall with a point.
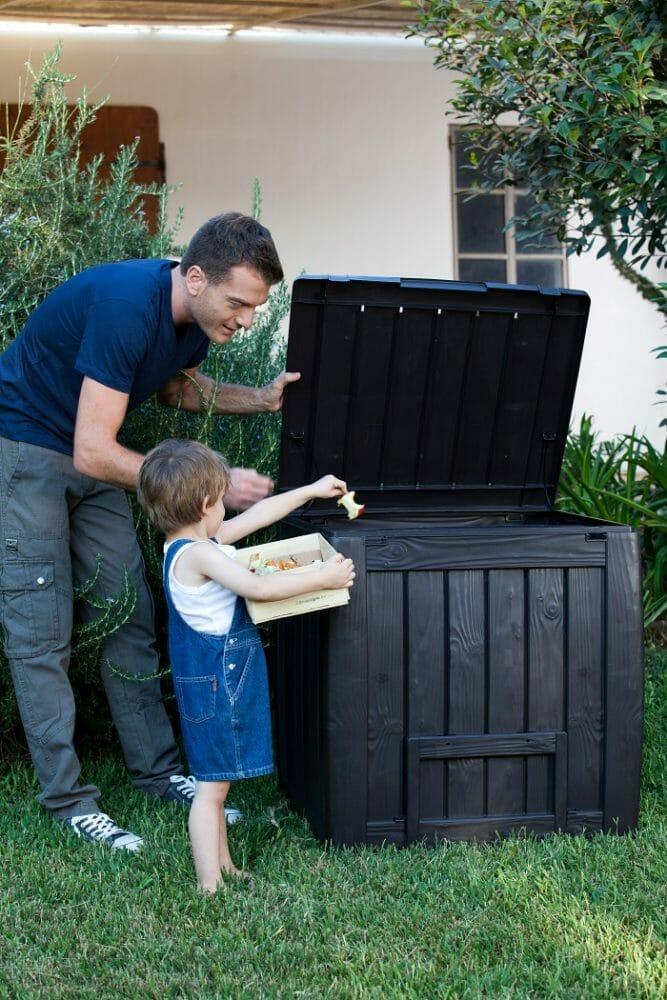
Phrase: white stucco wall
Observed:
(348, 137)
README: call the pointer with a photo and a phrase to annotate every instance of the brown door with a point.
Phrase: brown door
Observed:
(115, 126)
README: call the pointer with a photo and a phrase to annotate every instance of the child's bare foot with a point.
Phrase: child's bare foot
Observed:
(210, 889)
(237, 873)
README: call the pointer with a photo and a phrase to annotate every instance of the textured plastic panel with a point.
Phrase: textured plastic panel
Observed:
(481, 681)
(427, 394)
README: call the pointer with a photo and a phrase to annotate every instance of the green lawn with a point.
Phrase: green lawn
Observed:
(562, 917)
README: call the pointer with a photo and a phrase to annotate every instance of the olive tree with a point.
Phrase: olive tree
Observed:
(584, 82)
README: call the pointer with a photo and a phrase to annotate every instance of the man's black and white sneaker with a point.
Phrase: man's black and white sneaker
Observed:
(102, 829)
(181, 788)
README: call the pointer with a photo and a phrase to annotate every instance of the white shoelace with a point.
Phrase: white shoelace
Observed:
(99, 826)
(185, 784)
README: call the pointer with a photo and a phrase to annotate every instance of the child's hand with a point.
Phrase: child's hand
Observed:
(339, 572)
(328, 486)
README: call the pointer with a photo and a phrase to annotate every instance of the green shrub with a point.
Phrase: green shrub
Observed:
(252, 358)
(623, 480)
(58, 217)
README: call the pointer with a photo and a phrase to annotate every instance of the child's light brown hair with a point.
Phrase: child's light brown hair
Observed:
(174, 480)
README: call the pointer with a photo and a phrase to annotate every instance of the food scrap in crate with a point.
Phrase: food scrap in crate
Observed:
(263, 567)
(353, 509)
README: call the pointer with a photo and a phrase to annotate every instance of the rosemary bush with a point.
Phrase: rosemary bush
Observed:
(252, 358)
(58, 217)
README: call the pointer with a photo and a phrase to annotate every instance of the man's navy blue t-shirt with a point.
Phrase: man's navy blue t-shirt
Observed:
(112, 323)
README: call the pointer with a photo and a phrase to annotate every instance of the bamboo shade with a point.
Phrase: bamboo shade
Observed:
(386, 15)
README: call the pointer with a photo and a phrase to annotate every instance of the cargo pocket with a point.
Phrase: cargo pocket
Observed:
(29, 607)
(196, 697)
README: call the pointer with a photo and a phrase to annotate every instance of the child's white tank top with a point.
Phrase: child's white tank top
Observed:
(208, 608)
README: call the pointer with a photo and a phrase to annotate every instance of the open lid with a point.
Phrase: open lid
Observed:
(431, 395)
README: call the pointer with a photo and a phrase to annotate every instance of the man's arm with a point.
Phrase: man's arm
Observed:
(190, 388)
(97, 453)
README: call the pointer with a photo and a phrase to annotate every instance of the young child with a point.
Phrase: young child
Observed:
(216, 654)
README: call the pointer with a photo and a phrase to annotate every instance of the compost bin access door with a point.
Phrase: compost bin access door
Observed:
(431, 395)
(467, 758)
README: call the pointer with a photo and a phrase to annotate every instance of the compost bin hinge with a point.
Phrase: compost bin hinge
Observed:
(596, 536)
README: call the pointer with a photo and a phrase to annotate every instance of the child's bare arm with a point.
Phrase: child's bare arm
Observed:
(335, 573)
(273, 509)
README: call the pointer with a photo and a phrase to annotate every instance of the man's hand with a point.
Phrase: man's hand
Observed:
(271, 395)
(247, 487)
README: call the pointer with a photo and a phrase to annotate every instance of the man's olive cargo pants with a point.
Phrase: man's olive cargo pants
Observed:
(54, 525)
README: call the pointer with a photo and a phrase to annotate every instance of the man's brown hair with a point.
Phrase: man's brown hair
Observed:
(231, 239)
(174, 480)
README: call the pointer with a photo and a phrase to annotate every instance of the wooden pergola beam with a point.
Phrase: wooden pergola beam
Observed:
(258, 13)
(296, 12)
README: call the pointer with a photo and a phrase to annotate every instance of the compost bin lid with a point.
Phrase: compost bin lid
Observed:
(431, 395)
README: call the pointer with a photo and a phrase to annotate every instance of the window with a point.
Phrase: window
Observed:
(483, 252)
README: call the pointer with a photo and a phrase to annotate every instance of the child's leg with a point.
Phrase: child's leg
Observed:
(226, 863)
(205, 825)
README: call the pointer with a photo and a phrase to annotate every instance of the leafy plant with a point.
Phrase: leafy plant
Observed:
(623, 480)
(586, 82)
(58, 217)
(251, 358)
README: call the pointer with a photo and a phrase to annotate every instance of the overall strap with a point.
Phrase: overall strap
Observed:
(173, 550)
(241, 617)
(170, 556)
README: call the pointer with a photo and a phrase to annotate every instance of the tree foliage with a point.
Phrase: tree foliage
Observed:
(584, 81)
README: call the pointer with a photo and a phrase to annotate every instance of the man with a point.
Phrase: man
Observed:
(99, 345)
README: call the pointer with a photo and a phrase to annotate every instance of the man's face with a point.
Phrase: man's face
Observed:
(223, 308)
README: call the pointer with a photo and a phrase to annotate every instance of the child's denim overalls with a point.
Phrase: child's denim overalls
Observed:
(222, 692)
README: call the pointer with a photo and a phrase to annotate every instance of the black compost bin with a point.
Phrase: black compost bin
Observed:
(487, 675)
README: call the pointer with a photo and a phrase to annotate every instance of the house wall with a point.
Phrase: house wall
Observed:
(348, 137)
